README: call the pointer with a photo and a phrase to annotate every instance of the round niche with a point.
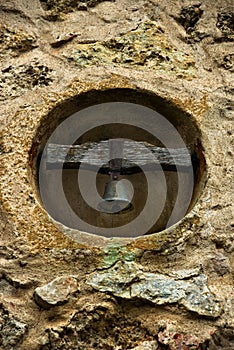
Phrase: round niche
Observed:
(118, 163)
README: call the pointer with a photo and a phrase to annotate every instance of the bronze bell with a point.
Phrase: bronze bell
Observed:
(116, 198)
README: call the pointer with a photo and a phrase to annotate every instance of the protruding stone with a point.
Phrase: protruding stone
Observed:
(177, 340)
(56, 292)
(221, 264)
(156, 52)
(128, 281)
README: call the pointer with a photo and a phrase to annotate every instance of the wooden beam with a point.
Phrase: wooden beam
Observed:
(135, 154)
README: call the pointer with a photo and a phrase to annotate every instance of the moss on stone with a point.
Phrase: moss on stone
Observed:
(142, 48)
(117, 251)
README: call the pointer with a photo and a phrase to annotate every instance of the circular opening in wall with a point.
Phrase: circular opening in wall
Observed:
(118, 163)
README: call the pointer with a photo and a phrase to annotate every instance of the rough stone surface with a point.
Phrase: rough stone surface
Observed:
(14, 42)
(147, 345)
(52, 51)
(127, 280)
(56, 292)
(176, 340)
(146, 47)
(15, 80)
(57, 9)
(12, 331)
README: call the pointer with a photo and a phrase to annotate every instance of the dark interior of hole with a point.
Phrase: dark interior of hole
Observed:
(182, 122)
(105, 132)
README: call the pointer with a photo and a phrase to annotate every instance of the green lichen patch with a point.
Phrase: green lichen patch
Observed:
(15, 42)
(116, 251)
(142, 48)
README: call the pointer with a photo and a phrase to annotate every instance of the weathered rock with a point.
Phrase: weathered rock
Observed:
(15, 42)
(223, 339)
(147, 345)
(15, 80)
(225, 22)
(146, 47)
(128, 281)
(12, 331)
(185, 273)
(190, 15)
(56, 292)
(221, 263)
(177, 341)
(59, 8)
(98, 326)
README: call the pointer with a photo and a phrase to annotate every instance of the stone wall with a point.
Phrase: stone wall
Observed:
(61, 289)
